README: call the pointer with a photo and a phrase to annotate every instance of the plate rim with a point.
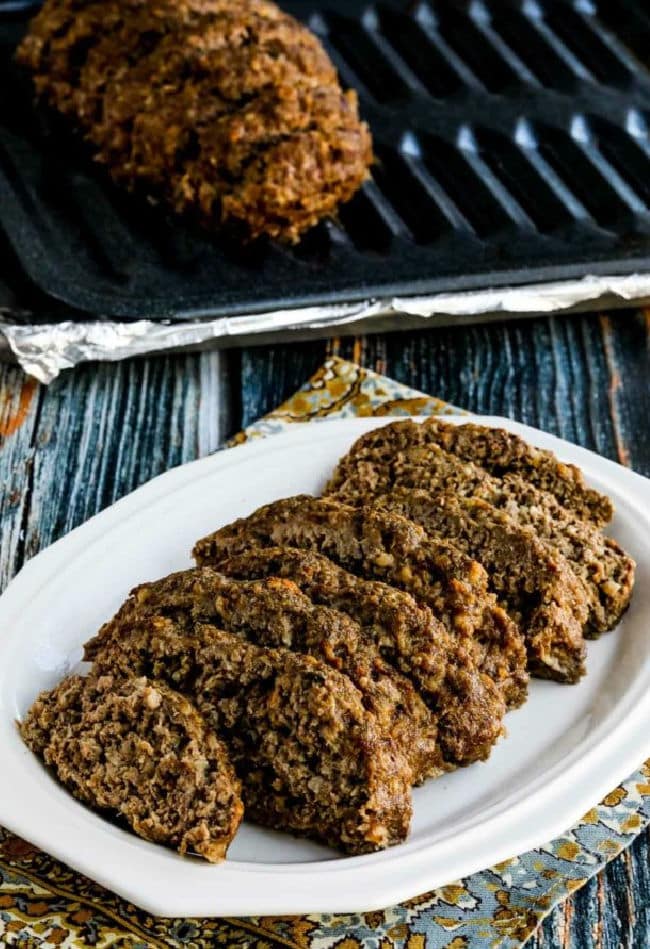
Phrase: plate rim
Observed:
(361, 883)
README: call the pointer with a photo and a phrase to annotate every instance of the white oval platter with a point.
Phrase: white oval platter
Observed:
(565, 749)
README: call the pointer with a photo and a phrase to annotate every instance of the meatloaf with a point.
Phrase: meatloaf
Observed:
(456, 726)
(230, 112)
(606, 570)
(138, 750)
(466, 703)
(388, 547)
(406, 632)
(312, 760)
(539, 590)
(498, 451)
(275, 613)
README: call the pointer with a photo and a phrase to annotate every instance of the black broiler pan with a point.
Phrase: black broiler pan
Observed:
(512, 143)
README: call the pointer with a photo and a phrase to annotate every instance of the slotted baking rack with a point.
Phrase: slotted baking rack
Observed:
(513, 148)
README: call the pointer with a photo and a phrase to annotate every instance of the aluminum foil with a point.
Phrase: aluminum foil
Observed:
(45, 349)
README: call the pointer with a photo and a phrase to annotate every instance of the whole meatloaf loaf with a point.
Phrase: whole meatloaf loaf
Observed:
(229, 110)
(275, 613)
(312, 760)
(388, 547)
(138, 750)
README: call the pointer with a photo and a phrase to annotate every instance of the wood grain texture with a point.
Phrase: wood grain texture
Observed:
(552, 373)
(100, 431)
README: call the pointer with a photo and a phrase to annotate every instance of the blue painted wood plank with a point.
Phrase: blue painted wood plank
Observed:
(271, 373)
(19, 406)
(104, 430)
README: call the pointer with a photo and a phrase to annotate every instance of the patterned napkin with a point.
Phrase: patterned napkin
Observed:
(45, 904)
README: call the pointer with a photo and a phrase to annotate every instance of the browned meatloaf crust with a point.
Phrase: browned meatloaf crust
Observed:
(388, 547)
(274, 613)
(467, 705)
(460, 728)
(540, 591)
(230, 111)
(501, 453)
(140, 751)
(606, 570)
(312, 760)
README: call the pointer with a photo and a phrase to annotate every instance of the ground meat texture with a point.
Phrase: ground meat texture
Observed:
(406, 633)
(466, 703)
(139, 751)
(604, 567)
(456, 724)
(275, 613)
(311, 758)
(539, 590)
(499, 452)
(387, 547)
(230, 112)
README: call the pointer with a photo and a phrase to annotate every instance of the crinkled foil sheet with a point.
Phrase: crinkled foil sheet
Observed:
(44, 349)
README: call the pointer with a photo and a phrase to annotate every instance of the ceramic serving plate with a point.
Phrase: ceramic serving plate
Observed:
(565, 749)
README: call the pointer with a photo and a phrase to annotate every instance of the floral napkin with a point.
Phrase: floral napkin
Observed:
(45, 904)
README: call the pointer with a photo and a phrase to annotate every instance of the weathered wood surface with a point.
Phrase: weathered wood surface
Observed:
(98, 432)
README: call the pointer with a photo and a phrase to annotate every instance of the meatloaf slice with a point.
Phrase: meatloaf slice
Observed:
(405, 632)
(456, 726)
(604, 567)
(230, 112)
(275, 613)
(138, 750)
(312, 760)
(387, 547)
(467, 705)
(501, 453)
(539, 590)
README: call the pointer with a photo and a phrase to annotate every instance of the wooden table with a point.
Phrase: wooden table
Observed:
(98, 432)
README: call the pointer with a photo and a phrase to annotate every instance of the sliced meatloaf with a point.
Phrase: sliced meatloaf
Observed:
(135, 749)
(406, 634)
(390, 548)
(458, 726)
(539, 590)
(311, 758)
(604, 567)
(500, 453)
(230, 112)
(275, 613)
